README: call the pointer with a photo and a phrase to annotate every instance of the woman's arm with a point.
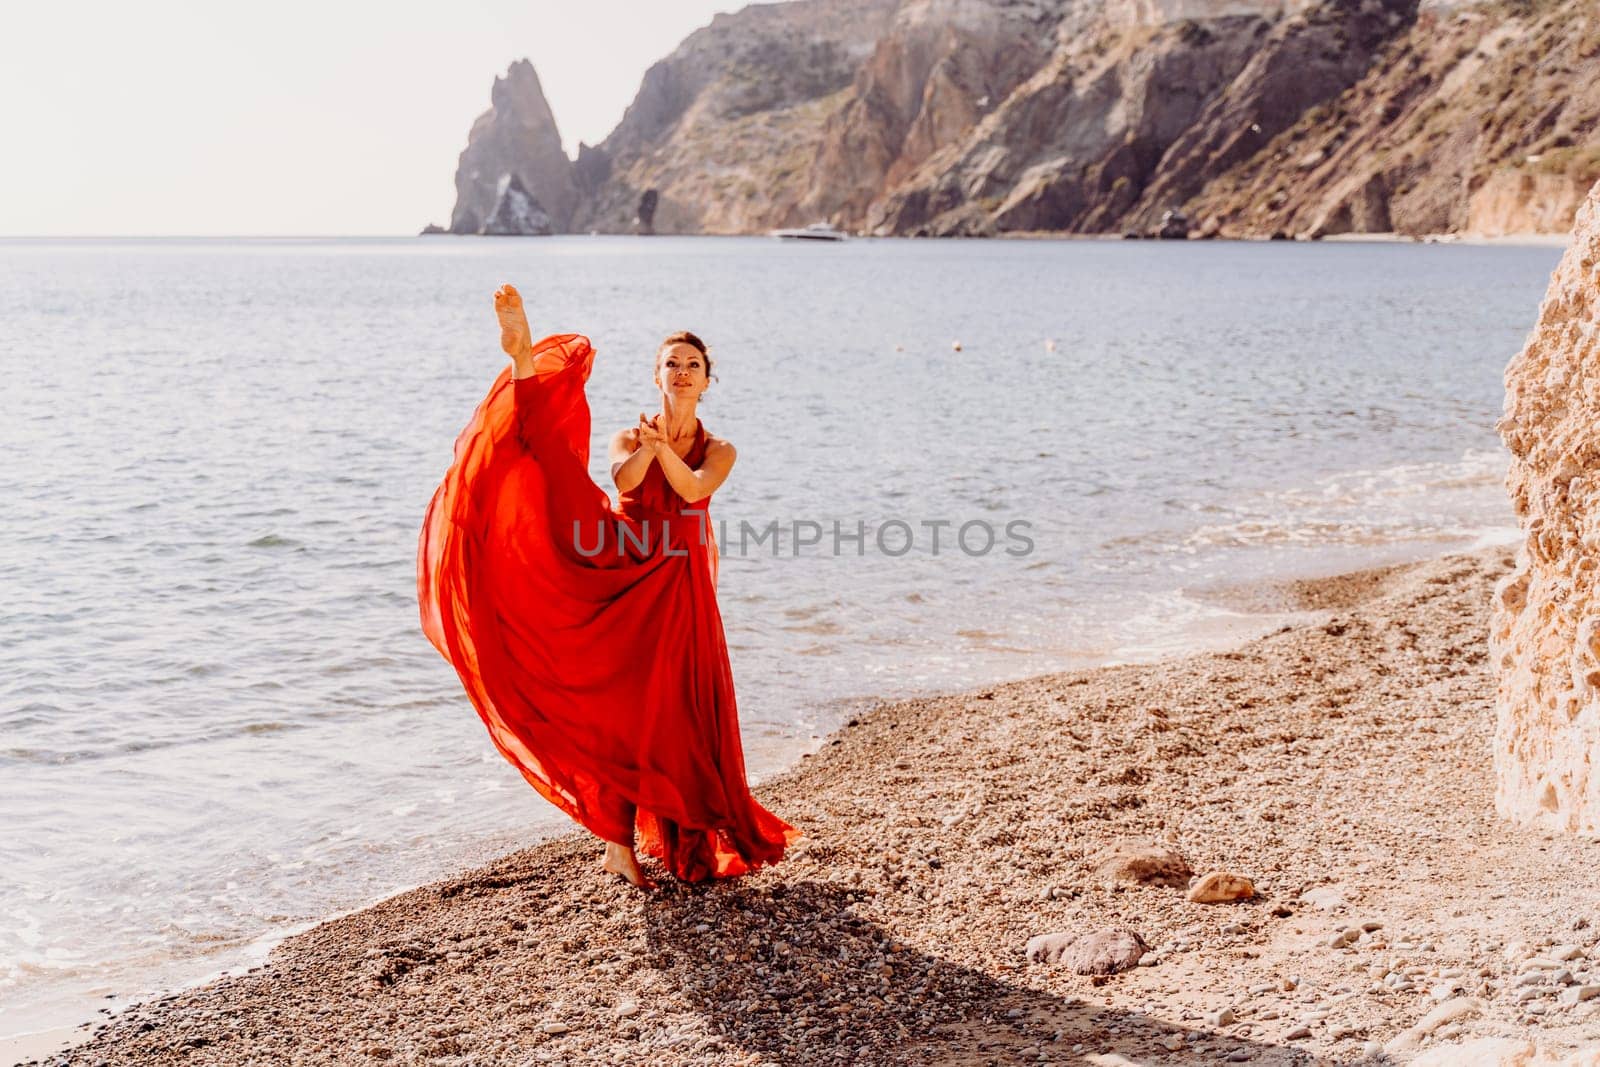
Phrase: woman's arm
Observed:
(629, 462)
(696, 485)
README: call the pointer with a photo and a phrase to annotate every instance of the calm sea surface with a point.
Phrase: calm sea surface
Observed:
(219, 719)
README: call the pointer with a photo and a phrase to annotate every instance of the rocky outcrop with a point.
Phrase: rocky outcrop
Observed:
(1127, 122)
(514, 143)
(726, 128)
(1545, 627)
(1523, 200)
(1479, 118)
(940, 67)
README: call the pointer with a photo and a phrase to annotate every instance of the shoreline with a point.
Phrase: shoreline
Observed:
(936, 845)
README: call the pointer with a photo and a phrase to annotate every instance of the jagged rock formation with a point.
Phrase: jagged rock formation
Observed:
(516, 138)
(1249, 117)
(1545, 628)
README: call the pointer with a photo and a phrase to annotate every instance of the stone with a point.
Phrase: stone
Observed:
(1220, 1017)
(1106, 951)
(1221, 887)
(1326, 897)
(1134, 862)
(1545, 616)
(1579, 993)
(1442, 1014)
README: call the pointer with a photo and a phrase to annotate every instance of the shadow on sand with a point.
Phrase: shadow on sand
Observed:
(792, 972)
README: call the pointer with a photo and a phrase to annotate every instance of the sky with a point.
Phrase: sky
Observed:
(180, 117)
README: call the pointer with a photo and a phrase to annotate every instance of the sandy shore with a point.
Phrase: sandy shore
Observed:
(1343, 765)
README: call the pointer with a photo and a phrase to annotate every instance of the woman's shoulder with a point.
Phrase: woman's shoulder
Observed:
(716, 444)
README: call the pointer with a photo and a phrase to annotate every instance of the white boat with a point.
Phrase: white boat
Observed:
(817, 231)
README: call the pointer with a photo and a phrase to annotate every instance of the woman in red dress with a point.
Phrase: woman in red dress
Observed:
(587, 637)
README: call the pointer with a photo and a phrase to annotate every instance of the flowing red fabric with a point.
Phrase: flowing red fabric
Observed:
(587, 637)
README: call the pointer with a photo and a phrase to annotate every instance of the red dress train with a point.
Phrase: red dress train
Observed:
(589, 638)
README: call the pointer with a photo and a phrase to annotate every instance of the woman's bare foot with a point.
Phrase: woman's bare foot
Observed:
(622, 862)
(514, 333)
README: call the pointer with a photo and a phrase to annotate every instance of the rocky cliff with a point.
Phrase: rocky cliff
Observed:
(1248, 117)
(1478, 118)
(1134, 113)
(725, 129)
(1545, 628)
(939, 67)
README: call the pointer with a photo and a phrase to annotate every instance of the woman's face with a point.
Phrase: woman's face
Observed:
(681, 371)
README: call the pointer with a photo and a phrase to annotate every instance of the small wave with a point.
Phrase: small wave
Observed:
(821, 627)
(274, 541)
(1252, 533)
(1380, 506)
(1476, 469)
(270, 727)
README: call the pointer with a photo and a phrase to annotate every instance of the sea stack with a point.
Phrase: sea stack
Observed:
(1545, 629)
(514, 147)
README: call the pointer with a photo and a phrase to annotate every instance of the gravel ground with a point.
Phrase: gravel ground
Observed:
(1342, 766)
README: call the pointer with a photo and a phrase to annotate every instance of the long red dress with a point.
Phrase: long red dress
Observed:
(587, 637)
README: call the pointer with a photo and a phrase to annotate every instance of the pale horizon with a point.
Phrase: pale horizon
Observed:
(179, 119)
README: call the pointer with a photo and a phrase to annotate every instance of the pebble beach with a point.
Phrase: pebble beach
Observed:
(967, 855)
